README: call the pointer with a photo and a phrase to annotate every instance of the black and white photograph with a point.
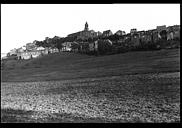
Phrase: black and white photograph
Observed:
(90, 63)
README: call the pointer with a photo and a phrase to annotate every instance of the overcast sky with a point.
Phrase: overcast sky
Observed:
(24, 23)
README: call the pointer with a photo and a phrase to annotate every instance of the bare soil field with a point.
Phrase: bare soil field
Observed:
(143, 88)
(130, 98)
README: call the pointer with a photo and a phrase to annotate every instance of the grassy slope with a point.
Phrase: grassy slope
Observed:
(61, 66)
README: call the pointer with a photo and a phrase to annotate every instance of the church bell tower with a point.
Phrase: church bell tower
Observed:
(86, 26)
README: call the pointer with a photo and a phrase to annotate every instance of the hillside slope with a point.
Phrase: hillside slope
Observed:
(59, 66)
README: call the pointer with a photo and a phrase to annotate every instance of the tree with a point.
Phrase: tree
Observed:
(90, 40)
(79, 40)
(59, 43)
(104, 46)
(69, 39)
(39, 43)
(43, 43)
(114, 37)
(163, 34)
(75, 46)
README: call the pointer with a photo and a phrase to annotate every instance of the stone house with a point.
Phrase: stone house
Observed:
(176, 30)
(121, 40)
(24, 55)
(107, 33)
(148, 37)
(28, 54)
(66, 46)
(135, 40)
(35, 53)
(173, 32)
(32, 54)
(93, 46)
(162, 32)
(170, 35)
(124, 41)
(53, 50)
(99, 33)
(75, 46)
(132, 31)
(161, 28)
(155, 35)
(45, 51)
(40, 48)
(141, 34)
(120, 33)
(84, 47)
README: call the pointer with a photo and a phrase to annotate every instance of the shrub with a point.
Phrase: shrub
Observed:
(104, 47)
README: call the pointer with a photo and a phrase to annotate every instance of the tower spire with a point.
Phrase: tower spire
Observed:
(86, 26)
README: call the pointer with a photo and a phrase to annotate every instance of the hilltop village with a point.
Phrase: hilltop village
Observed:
(99, 43)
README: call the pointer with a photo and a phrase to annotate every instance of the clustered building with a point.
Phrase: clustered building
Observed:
(134, 38)
(31, 50)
